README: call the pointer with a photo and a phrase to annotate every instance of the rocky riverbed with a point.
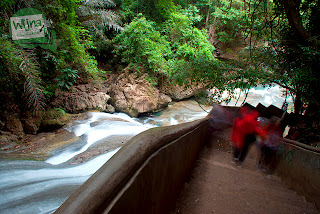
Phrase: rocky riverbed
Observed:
(128, 92)
(43, 145)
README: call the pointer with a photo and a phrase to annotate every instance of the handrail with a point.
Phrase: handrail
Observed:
(305, 146)
(298, 165)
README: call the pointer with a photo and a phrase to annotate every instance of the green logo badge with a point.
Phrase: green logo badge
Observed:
(29, 29)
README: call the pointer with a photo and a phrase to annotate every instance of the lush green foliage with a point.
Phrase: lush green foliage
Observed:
(31, 69)
(169, 40)
(6, 3)
(154, 10)
(99, 19)
(76, 39)
(179, 51)
(67, 78)
(190, 46)
(10, 78)
(142, 44)
(20, 77)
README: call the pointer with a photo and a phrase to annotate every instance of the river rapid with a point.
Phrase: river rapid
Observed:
(29, 186)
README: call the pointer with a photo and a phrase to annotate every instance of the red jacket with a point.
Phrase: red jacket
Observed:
(244, 125)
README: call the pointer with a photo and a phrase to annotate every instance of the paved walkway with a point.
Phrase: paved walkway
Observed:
(219, 186)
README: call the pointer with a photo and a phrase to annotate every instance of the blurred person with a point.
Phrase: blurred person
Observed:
(270, 144)
(244, 133)
(219, 118)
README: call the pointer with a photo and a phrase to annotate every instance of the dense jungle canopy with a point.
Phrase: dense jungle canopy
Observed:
(222, 44)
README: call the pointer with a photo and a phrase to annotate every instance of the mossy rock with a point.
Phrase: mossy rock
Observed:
(53, 119)
(132, 112)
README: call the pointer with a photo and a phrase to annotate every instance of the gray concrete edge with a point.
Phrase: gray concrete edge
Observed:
(103, 186)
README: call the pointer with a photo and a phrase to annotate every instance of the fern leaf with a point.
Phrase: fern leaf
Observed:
(94, 13)
(109, 19)
(33, 92)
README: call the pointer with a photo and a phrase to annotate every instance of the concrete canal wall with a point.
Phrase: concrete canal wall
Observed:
(299, 166)
(147, 174)
(144, 176)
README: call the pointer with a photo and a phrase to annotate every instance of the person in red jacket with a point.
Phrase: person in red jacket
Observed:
(244, 132)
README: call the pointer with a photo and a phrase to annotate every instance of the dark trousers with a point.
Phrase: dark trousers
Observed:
(241, 153)
(267, 154)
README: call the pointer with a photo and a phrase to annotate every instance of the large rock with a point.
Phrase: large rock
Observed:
(53, 119)
(7, 139)
(83, 98)
(134, 95)
(13, 124)
(30, 122)
(29, 125)
(178, 93)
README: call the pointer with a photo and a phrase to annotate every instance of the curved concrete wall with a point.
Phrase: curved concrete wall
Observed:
(144, 176)
(299, 166)
(147, 174)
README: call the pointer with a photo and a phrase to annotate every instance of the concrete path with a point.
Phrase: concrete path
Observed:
(218, 186)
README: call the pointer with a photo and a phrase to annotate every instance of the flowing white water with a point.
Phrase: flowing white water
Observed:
(41, 187)
(274, 95)
(33, 187)
(30, 187)
(123, 125)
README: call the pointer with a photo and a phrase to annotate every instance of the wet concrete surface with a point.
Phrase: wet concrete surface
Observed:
(217, 185)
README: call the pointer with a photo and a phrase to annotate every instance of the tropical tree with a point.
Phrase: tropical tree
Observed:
(154, 10)
(300, 37)
(192, 59)
(282, 47)
(140, 43)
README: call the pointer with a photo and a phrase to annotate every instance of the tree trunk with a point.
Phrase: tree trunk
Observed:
(293, 15)
(297, 103)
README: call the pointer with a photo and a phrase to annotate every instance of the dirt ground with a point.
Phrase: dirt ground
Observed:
(217, 185)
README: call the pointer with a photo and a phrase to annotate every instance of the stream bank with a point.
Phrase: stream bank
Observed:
(112, 127)
(39, 176)
(128, 92)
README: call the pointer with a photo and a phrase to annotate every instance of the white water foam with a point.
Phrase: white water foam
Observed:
(23, 184)
(273, 95)
(125, 126)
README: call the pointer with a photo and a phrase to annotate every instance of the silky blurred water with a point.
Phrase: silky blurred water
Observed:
(121, 125)
(42, 186)
(39, 187)
(274, 95)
